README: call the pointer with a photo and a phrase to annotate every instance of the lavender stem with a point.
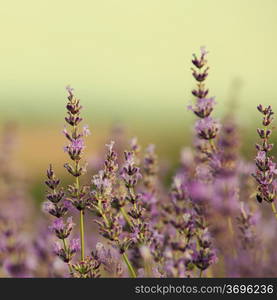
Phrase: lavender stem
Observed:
(274, 209)
(129, 265)
(231, 229)
(126, 217)
(82, 234)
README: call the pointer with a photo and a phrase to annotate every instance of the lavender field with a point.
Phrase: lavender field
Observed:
(125, 211)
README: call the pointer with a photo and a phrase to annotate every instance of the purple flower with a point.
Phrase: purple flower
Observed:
(246, 224)
(200, 192)
(261, 156)
(111, 165)
(109, 259)
(179, 188)
(150, 170)
(103, 185)
(61, 229)
(74, 246)
(75, 148)
(66, 134)
(55, 210)
(203, 107)
(204, 256)
(48, 206)
(67, 254)
(266, 168)
(52, 182)
(199, 63)
(130, 173)
(207, 128)
(17, 269)
(225, 197)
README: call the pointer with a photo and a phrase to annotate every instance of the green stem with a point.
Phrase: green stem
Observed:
(129, 265)
(82, 212)
(231, 229)
(213, 148)
(82, 234)
(274, 209)
(105, 219)
(230, 226)
(148, 268)
(126, 217)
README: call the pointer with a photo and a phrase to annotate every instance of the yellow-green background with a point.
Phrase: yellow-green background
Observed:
(129, 61)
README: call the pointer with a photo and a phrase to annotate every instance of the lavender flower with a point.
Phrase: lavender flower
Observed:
(108, 259)
(55, 196)
(66, 253)
(111, 165)
(61, 229)
(130, 173)
(205, 255)
(78, 194)
(246, 223)
(75, 149)
(54, 209)
(207, 128)
(203, 108)
(87, 268)
(266, 171)
(150, 169)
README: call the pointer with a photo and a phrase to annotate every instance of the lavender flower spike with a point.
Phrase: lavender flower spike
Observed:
(207, 128)
(266, 171)
(77, 193)
(130, 173)
(61, 229)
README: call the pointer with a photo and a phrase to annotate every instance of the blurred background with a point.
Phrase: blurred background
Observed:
(129, 63)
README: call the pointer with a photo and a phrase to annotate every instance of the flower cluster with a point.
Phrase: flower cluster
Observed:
(189, 242)
(150, 181)
(206, 127)
(76, 195)
(266, 171)
(75, 150)
(56, 206)
(246, 224)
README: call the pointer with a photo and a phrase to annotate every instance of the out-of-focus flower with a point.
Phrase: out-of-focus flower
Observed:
(62, 229)
(203, 107)
(207, 128)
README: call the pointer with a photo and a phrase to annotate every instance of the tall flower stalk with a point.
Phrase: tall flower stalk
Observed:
(56, 207)
(206, 127)
(107, 201)
(75, 148)
(266, 171)
(58, 199)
